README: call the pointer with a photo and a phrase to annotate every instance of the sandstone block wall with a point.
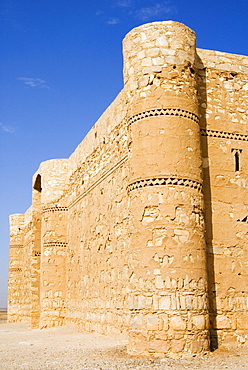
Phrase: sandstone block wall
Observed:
(223, 83)
(144, 228)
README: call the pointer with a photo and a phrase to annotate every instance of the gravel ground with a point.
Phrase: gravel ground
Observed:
(67, 349)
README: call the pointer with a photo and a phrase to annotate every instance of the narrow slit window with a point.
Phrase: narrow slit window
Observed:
(236, 156)
(236, 153)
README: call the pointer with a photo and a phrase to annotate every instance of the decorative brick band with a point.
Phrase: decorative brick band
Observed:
(167, 181)
(55, 244)
(55, 209)
(14, 269)
(37, 254)
(224, 135)
(164, 112)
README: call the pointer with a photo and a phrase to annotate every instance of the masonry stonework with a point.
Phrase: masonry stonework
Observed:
(143, 230)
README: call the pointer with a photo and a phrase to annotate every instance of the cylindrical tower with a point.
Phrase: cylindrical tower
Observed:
(168, 284)
(15, 286)
(52, 176)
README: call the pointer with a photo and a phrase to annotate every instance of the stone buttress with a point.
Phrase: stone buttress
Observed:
(168, 284)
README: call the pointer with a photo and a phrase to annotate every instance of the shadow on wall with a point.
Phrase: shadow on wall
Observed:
(202, 96)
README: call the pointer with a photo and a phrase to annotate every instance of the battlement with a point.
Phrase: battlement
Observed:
(143, 229)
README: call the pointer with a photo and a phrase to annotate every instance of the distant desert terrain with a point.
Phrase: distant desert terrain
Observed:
(3, 315)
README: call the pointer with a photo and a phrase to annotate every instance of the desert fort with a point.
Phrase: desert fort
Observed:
(144, 228)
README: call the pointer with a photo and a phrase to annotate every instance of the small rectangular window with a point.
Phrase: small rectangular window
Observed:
(237, 153)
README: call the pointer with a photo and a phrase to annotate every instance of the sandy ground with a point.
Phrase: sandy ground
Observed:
(65, 348)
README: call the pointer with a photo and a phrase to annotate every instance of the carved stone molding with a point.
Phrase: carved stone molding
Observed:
(164, 112)
(55, 209)
(224, 135)
(165, 181)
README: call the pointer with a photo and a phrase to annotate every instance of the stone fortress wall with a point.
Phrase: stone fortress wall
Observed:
(144, 229)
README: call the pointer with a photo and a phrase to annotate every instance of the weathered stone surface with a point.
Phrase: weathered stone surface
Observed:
(152, 322)
(177, 345)
(223, 322)
(177, 323)
(143, 229)
(158, 346)
(199, 322)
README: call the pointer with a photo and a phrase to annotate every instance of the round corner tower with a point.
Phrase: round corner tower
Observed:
(168, 281)
(49, 246)
(16, 311)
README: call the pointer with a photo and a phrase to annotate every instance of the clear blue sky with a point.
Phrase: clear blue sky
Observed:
(61, 66)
